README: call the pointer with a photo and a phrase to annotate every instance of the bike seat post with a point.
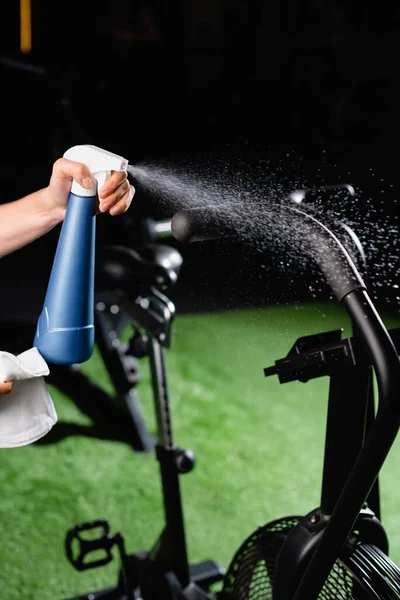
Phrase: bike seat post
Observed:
(157, 312)
(162, 307)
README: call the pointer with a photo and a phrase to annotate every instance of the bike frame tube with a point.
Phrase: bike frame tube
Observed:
(345, 430)
(351, 394)
(172, 549)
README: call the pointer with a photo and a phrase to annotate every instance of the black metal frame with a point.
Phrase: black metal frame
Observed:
(351, 393)
(348, 366)
(164, 570)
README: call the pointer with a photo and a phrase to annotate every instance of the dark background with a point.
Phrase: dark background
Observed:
(289, 82)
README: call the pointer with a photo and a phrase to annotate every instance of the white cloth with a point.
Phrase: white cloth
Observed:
(27, 413)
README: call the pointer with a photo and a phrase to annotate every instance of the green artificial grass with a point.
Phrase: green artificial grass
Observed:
(258, 445)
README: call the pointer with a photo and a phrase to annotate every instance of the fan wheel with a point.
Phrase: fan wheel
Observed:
(251, 574)
(363, 573)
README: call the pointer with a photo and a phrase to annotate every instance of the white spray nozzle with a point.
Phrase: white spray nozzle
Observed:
(99, 162)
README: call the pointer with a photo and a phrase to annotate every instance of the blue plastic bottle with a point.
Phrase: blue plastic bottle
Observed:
(65, 329)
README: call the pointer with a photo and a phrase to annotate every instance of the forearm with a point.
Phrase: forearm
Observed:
(27, 219)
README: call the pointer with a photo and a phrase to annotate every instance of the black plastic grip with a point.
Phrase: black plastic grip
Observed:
(153, 230)
(200, 224)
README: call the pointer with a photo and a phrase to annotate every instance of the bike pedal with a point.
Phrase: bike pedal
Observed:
(79, 547)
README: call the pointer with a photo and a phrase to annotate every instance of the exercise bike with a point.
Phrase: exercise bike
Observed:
(339, 549)
(137, 283)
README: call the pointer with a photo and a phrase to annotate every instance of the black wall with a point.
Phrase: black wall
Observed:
(312, 87)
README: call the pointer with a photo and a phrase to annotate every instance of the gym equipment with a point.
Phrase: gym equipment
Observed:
(65, 328)
(339, 549)
(140, 289)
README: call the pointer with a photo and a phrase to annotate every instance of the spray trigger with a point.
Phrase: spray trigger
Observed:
(100, 164)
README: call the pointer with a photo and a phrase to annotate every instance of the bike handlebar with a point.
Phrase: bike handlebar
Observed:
(333, 258)
(201, 224)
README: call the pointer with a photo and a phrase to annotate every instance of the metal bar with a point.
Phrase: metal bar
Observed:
(345, 429)
(160, 393)
(171, 550)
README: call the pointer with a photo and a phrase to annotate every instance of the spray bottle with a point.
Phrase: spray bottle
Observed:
(65, 328)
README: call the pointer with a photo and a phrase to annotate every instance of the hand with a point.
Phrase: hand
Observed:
(6, 387)
(115, 195)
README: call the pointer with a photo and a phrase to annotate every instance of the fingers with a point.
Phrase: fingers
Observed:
(6, 387)
(64, 168)
(116, 194)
